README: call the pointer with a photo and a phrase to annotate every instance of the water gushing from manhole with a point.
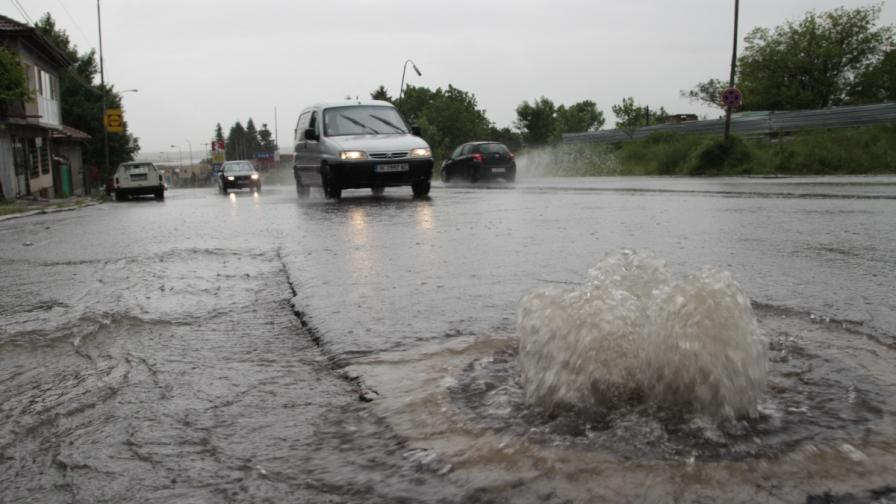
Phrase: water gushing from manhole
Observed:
(633, 331)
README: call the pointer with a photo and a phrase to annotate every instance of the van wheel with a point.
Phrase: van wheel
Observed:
(302, 190)
(160, 194)
(377, 191)
(120, 197)
(331, 191)
(421, 189)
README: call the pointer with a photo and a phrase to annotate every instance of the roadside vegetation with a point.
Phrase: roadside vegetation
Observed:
(18, 206)
(851, 151)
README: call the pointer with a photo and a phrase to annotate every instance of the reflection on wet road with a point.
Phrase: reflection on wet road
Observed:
(251, 348)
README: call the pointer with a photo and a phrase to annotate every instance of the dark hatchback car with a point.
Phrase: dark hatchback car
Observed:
(475, 161)
(238, 175)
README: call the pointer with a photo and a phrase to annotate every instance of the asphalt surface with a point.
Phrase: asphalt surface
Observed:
(255, 348)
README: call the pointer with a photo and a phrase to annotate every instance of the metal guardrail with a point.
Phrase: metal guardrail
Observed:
(756, 124)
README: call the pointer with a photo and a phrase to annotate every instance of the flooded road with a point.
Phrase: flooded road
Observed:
(249, 348)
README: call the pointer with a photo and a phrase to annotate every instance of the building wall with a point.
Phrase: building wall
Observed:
(7, 168)
(72, 152)
(45, 84)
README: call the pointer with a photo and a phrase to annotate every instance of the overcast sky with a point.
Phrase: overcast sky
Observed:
(200, 62)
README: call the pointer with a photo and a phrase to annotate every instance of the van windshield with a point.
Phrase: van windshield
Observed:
(363, 120)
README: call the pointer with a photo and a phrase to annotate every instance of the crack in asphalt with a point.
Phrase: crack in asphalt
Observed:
(364, 392)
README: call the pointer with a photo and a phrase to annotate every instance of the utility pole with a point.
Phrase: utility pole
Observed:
(191, 153)
(733, 71)
(99, 25)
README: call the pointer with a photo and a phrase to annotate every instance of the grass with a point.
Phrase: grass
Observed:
(7, 209)
(16, 207)
(853, 151)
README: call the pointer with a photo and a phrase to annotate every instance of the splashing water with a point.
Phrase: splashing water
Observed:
(632, 331)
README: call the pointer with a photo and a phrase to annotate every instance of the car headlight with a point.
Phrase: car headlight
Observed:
(231, 178)
(254, 176)
(421, 152)
(352, 155)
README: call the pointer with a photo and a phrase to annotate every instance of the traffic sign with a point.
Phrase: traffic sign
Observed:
(732, 97)
(113, 120)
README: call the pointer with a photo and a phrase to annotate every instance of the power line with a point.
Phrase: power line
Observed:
(25, 16)
(72, 19)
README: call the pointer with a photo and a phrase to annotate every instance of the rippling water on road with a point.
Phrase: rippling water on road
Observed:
(250, 348)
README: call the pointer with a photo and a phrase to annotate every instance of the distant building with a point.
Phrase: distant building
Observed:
(681, 118)
(26, 159)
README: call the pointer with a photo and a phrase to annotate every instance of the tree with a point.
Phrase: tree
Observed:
(813, 63)
(13, 82)
(81, 101)
(253, 144)
(413, 101)
(267, 139)
(219, 132)
(380, 93)
(579, 117)
(631, 116)
(450, 118)
(708, 93)
(876, 84)
(537, 122)
(236, 148)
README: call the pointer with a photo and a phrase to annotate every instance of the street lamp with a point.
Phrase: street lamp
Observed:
(405, 69)
(180, 155)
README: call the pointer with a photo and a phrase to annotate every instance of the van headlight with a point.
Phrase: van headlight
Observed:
(352, 155)
(231, 178)
(421, 153)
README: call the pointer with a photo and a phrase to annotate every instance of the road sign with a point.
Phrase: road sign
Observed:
(114, 120)
(732, 97)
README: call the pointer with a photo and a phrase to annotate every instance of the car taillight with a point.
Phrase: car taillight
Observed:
(510, 156)
(477, 157)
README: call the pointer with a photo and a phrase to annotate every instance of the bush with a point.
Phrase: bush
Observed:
(721, 157)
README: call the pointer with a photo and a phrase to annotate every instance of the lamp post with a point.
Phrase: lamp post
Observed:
(405, 69)
(191, 152)
(180, 155)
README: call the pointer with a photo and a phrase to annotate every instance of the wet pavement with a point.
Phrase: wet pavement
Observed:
(252, 348)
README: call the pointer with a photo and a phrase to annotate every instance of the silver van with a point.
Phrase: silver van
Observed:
(359, 144)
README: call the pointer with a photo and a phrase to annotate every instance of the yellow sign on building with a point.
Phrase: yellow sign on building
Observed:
(114, 120)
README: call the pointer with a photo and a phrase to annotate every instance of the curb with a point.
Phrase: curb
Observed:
(49, 210)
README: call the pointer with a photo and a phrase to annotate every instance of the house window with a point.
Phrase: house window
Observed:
(44, 150)
(31, 158)
(32, 82)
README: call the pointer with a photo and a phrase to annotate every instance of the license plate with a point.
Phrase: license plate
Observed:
(389, 168)
(497, 170)
(138, 177)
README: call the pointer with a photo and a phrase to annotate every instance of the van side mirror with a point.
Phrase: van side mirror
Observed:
(415, 130)
(310, 134)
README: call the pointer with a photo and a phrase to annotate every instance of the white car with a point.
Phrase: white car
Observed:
(138, 179)
(364, 144)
